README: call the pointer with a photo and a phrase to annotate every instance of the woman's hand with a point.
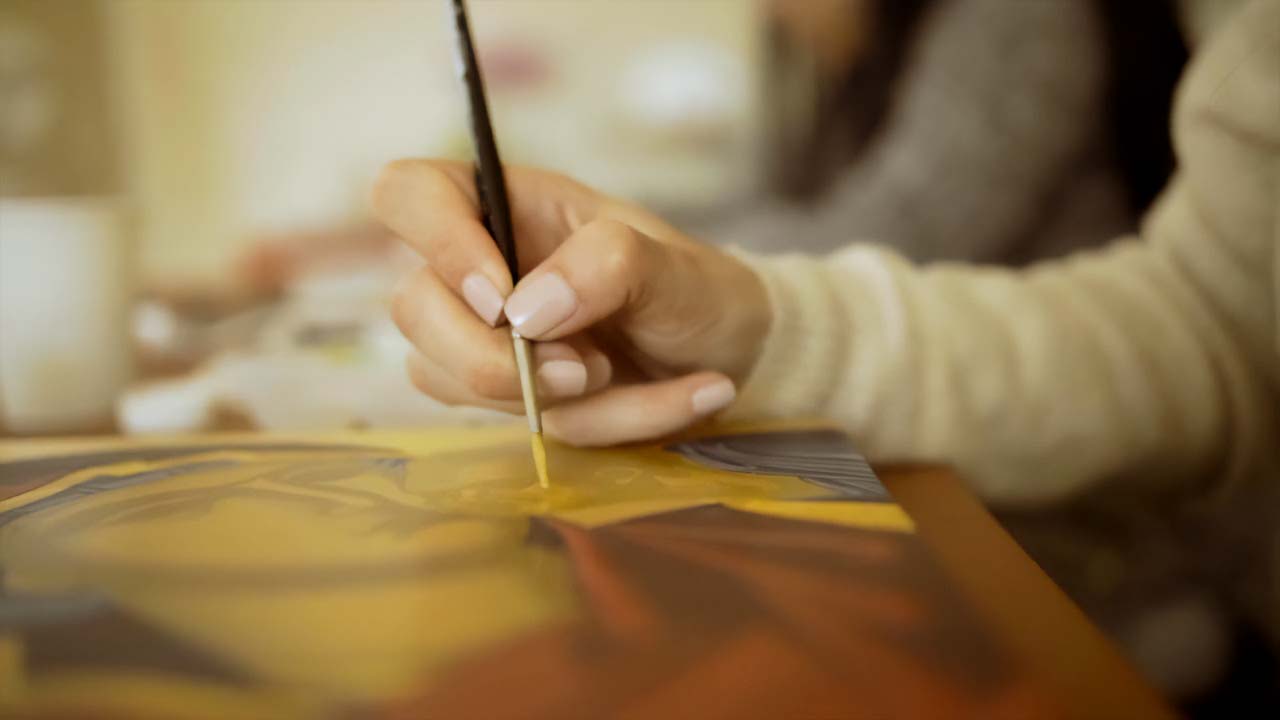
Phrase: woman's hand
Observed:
(641, 331)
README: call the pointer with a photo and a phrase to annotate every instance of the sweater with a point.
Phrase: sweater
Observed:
(1154, 360)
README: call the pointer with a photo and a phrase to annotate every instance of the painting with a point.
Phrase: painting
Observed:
(738, 572)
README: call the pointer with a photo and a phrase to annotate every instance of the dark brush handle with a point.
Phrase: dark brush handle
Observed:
(490, 185)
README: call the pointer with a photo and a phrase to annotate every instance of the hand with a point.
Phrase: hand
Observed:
(641, 331)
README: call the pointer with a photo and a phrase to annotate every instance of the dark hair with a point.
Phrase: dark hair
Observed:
(1147, 54)
(851, 107)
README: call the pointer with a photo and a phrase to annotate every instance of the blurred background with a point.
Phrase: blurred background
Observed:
(184, 242)
(222, 120)
(220, 148)
(187, 246)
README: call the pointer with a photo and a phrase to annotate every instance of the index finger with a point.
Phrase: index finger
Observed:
(432, 205)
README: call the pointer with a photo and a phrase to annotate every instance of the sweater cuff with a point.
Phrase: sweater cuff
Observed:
(803, 353)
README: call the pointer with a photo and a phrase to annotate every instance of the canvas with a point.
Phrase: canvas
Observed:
(742, 571)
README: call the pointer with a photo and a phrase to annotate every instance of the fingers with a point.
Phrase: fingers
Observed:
(556, 382)
(435, 382)
(629, 413)
(559, 370)
(618, 415)
(433, 208)
(478, 360)
(599, 367)
(675, 305)
(432, 205)
(604, 268)
(443, 329)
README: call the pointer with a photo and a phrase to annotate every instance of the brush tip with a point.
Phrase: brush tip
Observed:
(540, 459)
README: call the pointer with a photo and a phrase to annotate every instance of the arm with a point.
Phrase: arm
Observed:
(1156, 356)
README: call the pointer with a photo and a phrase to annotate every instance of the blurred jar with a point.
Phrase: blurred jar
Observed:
(65, 294)
(65, 255)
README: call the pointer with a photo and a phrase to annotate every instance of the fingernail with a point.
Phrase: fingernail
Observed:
(541, 304)
(599, 369)
(713, 397)
(483, 297)
(563, 378)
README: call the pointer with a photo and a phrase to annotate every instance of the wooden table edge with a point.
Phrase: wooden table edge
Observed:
(1067, 654)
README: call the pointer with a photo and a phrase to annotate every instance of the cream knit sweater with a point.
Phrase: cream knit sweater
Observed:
(1157, 357)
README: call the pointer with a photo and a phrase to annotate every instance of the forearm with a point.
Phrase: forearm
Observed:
(1032, 385)
(1154, 357)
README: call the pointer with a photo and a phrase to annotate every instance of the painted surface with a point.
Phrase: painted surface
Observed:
(746, 573)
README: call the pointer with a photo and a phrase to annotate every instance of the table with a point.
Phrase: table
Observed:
(1038, 622)
(1048, 639)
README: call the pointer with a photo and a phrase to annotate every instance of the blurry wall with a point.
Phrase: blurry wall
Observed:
(241, 117)
(56, 129)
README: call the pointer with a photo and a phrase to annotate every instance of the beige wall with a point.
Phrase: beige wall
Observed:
(56, 126)
(245, 116)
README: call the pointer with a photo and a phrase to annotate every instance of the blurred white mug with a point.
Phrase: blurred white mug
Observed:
(65, 291)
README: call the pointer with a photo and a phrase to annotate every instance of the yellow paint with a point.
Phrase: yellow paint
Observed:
(540, 459)
(12, 680)
(872, 516)
(357, 574)
(135, 694)
(601, 515)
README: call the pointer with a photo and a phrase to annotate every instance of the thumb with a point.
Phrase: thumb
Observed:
(606, 268)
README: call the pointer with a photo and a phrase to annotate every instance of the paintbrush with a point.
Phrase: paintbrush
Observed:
(495, 212)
